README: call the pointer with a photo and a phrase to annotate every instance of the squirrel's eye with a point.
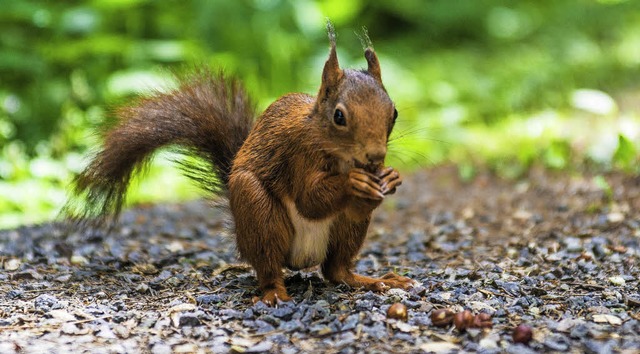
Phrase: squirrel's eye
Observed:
(395, 114)
(338, 118)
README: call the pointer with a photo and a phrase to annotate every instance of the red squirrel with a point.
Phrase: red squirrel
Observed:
(302, 181)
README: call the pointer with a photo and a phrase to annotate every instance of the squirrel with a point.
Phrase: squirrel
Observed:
(302, 179)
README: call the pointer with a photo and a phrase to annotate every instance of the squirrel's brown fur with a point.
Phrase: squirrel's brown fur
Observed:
(302, 182)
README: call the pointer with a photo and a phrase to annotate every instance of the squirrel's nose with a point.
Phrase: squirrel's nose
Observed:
(376, 156)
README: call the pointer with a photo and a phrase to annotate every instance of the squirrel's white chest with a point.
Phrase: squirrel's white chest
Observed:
(310, 241)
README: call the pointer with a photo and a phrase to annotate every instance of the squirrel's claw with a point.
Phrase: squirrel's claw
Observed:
(390, 179)
(272, 298)
(365, 185)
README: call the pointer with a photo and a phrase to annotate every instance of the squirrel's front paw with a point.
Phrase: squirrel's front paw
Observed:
(365, 185)
(389, 179)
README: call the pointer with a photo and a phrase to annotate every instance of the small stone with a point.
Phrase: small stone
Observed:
(557, 342)
(122, 331)
(283, 312)
(209, 299)
(15, 294)
(12, 264)
(29, 274)
(439, 347)
(175, 247)
(46, 302)
(146, 269)
(490, 342)
(351, 322)
(405, 327)
(573, 244)
(69, 328)
(320, 330)
(184, 307)
(617, 280)
(185, 348)
(189, 320)
(161, 348)
(522, 215)
(62, 315)
(262, 347)
(78, 260)
(397, 294)
(615, 217)
(595, 346)
(63, 278)
(142, 288)
(106, 332)
(610, 319)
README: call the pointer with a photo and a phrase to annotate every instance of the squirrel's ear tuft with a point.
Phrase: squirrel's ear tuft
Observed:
(373, 64)
(331, 74)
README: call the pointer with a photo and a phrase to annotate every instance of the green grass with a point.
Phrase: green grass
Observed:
(493, 84)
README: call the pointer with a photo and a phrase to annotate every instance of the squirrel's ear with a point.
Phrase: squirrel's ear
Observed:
(373, 64)
(331, 73)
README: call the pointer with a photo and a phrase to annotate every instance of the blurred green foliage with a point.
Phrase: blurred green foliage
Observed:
(501, 83)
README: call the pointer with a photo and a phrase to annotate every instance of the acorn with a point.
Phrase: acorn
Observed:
(522, 334)
(397, 311)
(482, 320)
(463, 320)
(442, 317)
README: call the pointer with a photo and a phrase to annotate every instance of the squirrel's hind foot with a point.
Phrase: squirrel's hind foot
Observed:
(388, 281)
(273, 297)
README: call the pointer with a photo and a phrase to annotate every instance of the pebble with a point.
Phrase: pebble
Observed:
(599, 347)
(205, 306)
(610, 319)
(262, 347)
(46, 302)
(12, 264)
(617, 280)
(189, 320)
(161, 348)
(557, 342)
(573, 244)
(14, 294)
(210, 299)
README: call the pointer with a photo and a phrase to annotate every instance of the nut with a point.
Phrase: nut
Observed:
(522, 334)
(463, 320)
(482, 320)
(442, 317)
(397, 311)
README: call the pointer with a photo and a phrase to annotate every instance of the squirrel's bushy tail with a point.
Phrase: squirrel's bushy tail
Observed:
(207, 118)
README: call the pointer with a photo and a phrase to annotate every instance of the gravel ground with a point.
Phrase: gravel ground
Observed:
(557, 253)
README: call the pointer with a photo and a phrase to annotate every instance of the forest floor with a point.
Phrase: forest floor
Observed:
(558, 253)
